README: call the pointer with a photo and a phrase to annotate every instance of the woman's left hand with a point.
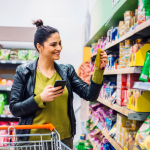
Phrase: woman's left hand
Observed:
(104, 59)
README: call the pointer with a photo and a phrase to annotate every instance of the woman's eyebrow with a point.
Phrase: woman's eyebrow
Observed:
(54, 42)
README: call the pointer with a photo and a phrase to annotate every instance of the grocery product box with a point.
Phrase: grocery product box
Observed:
(122, 81)
(121, 97)
(131, 78)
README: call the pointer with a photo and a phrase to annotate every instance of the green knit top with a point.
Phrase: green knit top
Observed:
(55, 112)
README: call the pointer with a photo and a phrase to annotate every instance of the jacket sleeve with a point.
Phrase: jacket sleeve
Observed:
(85, 91)
(20, 107)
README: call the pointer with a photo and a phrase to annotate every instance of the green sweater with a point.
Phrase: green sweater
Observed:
(55, 112)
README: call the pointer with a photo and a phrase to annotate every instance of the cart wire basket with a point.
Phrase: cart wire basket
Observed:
(10, 141)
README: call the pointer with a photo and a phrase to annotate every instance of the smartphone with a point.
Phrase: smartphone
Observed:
(61, 83)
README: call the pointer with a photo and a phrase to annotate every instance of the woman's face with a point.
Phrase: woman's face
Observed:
(51, 48)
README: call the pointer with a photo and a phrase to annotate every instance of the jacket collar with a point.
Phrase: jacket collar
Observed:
(32, 67)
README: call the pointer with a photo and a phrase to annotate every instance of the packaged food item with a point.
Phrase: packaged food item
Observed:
(13, 55)
(22, 54)
(131, 78)
(97, 61)
(6, 109)
(144, 76)
(143, 11)
(122, 81)
(4, 132)
(4, 54)
(143, 133)
(32, 54)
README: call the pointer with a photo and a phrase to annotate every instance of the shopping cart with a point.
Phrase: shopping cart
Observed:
(11, 142)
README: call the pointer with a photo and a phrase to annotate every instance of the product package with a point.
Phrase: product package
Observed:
(143, 10)
(22, 54)
(32, 54)
(4, 54)
(144, 76)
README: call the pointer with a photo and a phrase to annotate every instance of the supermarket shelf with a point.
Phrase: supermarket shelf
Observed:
(132, 115)
(108, 137)
(111, 140)
(8, 116)
(123, 71)
(92, 142)
(4, 88)
(140, 29)
(14, 61)
(142, 85)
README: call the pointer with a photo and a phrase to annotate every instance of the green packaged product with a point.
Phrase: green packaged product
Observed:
(22, 54)
(32, 54)
(1, 107)
(4, 54)
(144, 76)
(3, 98)
(143, 11)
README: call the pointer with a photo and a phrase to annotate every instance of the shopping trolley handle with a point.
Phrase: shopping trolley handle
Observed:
(19, 127)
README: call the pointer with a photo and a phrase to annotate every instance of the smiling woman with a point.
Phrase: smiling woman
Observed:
(35, 99)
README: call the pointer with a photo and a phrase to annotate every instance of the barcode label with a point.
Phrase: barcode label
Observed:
(127, 123)
(144, 76)
(3, 61)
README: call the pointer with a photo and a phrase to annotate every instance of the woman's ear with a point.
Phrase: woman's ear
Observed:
(39, 47)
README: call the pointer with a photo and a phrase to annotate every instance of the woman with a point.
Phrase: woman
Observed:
(36, 101)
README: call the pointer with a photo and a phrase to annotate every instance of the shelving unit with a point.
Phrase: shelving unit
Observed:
(140, 30)
(122, 71)
(8, 116)
(14, 61)
(5, 88)
(93, 144)
(132, 115)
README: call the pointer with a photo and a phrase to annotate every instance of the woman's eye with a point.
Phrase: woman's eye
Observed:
(53, 45)
(59, 43)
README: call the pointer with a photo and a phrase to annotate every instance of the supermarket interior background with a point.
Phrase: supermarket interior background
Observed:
(120, 118)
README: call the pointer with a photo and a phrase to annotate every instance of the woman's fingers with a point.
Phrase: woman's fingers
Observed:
(59, 91)
(57, 95)
(56, 88)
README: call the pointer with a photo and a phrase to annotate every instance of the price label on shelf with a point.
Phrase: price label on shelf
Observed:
(23, 62)
(10, 116)
(8, 88)
(3, 115)
(13, 61)
(3, 61)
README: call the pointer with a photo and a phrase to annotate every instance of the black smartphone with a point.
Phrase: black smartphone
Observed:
(61, 83)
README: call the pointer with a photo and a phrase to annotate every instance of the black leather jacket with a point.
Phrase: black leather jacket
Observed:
(23, 105)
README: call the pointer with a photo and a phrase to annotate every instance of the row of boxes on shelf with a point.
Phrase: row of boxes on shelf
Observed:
(5, 132)
(4, 107)
(124, 95)
(131, 53)
(5, 83)
(118, 126)
(131, 20)
(16, 54)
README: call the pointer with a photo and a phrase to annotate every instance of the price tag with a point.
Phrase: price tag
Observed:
(92, 118)
(3, 61)
(13, 61)
(96, 122)
(10, 116)
(3, 115)
(23, 62)
(8, 89)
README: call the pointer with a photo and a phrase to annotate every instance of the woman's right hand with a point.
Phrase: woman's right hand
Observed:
(50, 93)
